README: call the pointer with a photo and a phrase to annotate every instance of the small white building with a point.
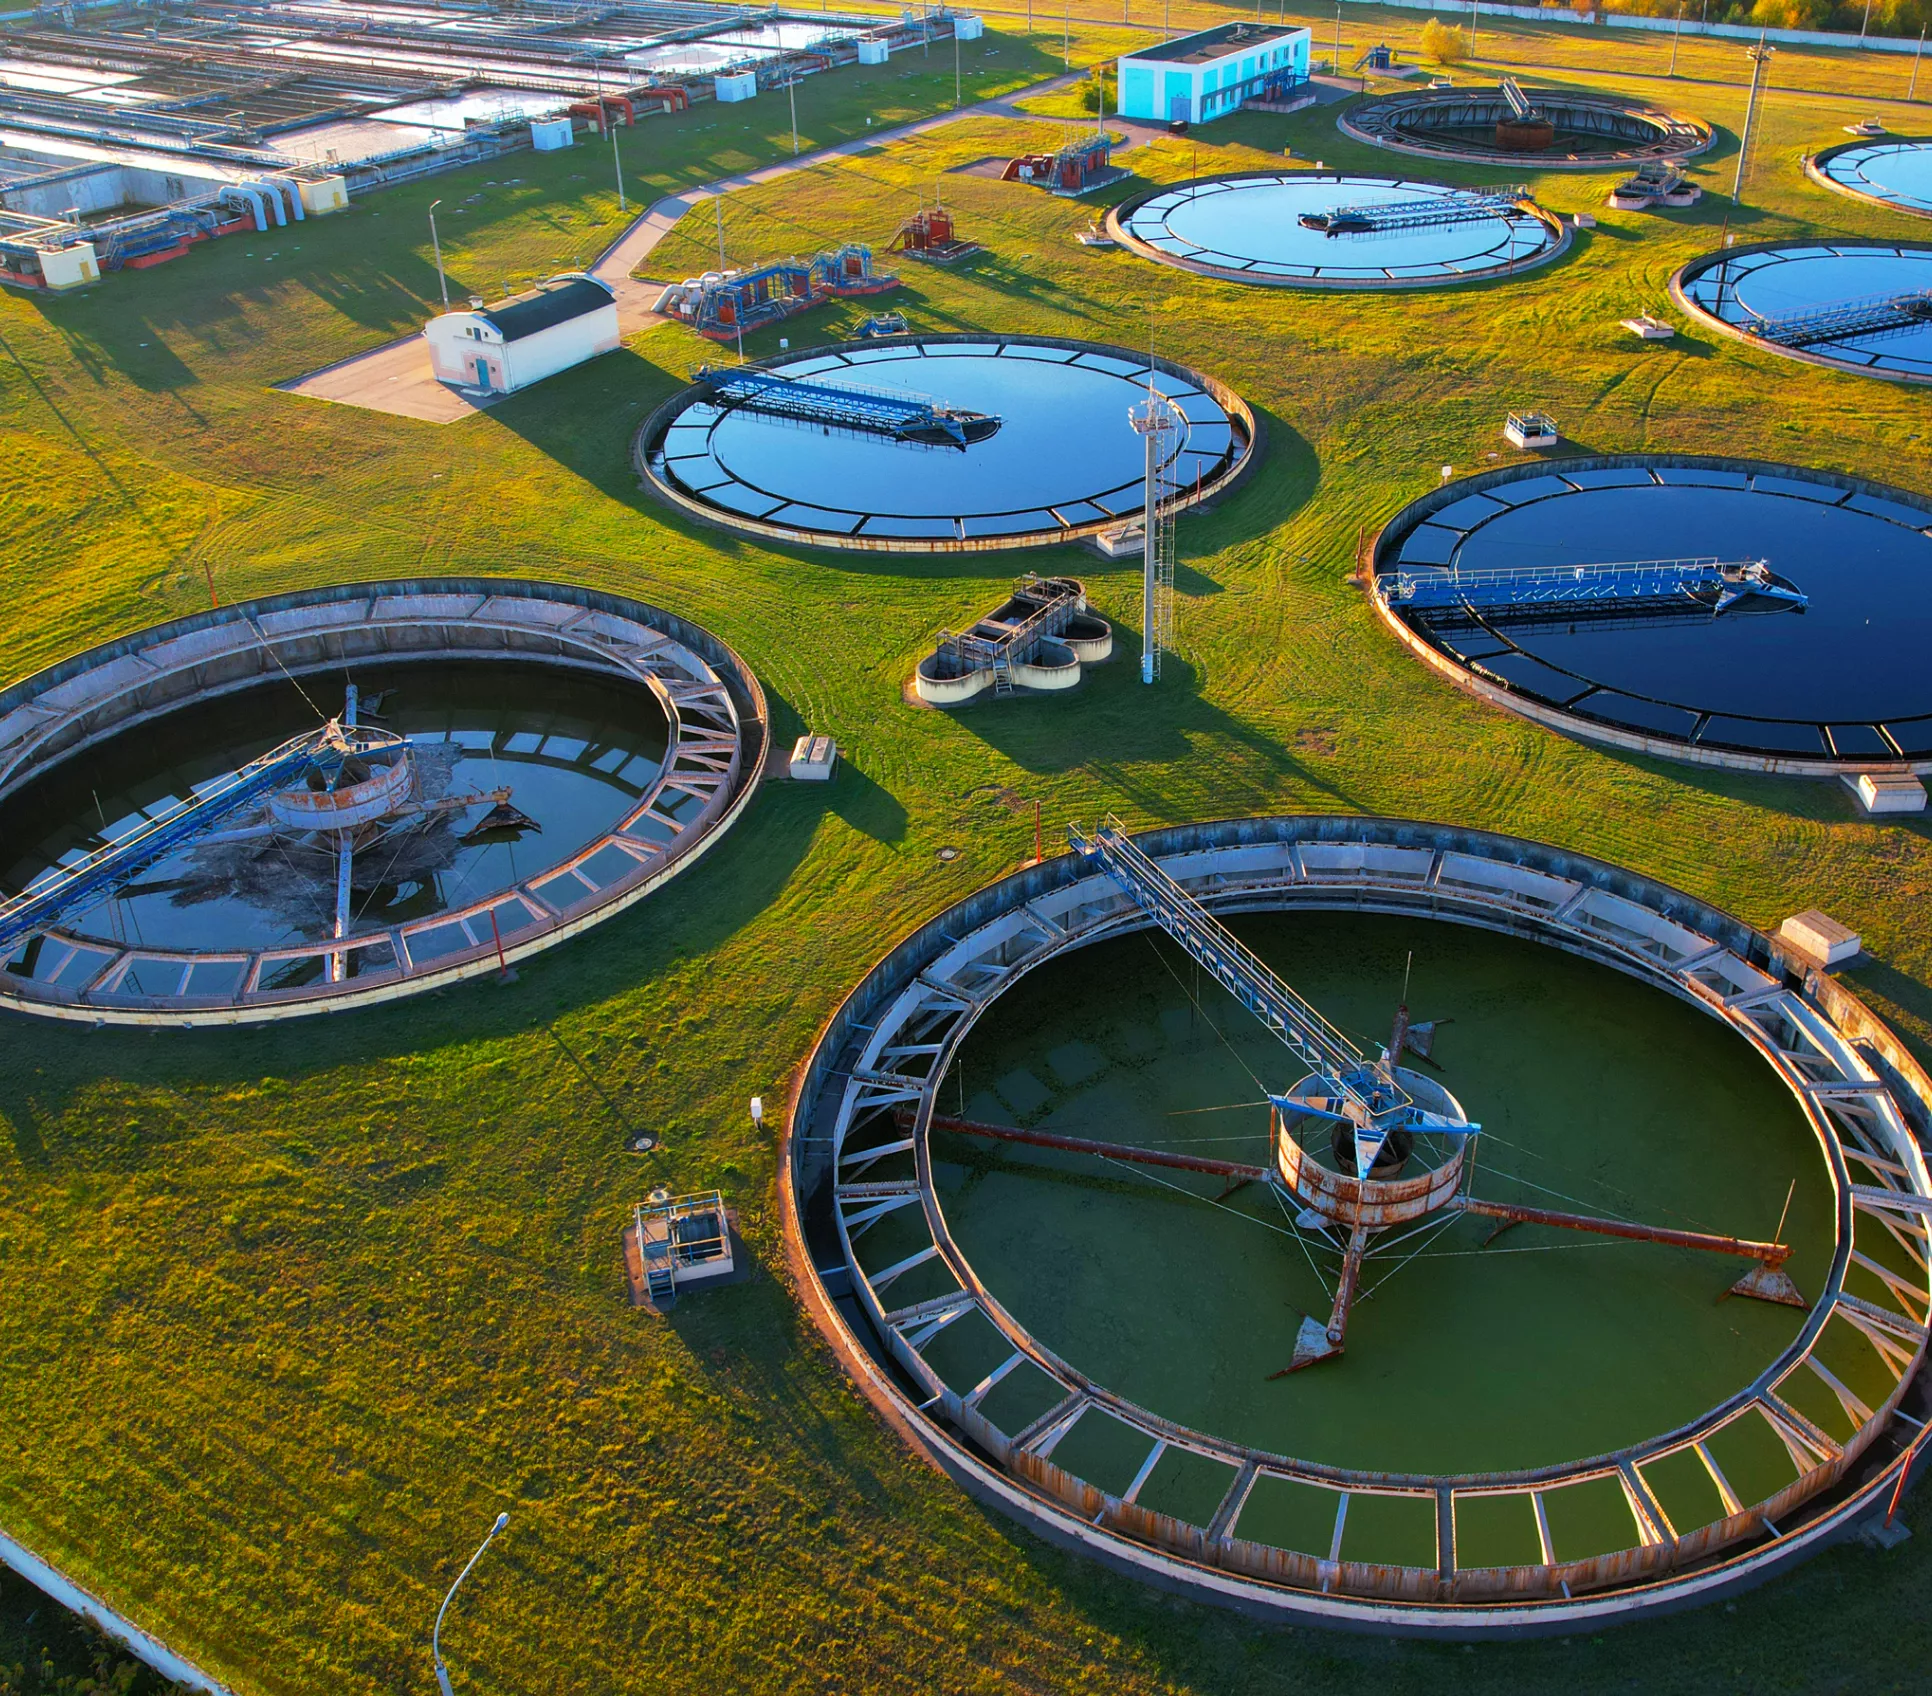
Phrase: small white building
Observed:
(1208, 74)
(561, 322)
(736, 85)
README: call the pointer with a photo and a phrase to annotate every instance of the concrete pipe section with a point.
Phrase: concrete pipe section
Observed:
(354, 794)
(1570, 128)
(1724, 612)
(1095, 1338)
(938, 444)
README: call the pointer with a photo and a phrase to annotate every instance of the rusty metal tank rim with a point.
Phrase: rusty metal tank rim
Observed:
(1865, 1098)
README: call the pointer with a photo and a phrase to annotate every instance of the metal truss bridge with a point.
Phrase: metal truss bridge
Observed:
(840, 406)
(1461, 208)
(1847, 320)
(1347, 1085)
(71, 889)
(1713, 584)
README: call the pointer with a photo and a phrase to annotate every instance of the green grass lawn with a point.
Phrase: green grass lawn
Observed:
(290, 1314)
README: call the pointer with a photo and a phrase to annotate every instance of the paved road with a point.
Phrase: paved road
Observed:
(395, 377)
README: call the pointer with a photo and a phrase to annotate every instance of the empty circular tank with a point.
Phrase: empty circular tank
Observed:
(1858, 306)
(1892, 171)
(1813, 668)
(1058, 461)
(1260, 227)
(1579, 129)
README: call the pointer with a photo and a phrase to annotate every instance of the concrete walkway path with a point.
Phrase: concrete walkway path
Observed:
(395, 377)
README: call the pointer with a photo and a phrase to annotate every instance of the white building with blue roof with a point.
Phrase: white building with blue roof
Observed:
(1208, 74)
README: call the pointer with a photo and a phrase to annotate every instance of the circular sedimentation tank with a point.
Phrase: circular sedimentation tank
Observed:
(1573, 129)
(1543, 1432)
(1810, 666)
(496, 765)
(1279, 229)
(1892, 171)
(1845, 304)
(1048, 454)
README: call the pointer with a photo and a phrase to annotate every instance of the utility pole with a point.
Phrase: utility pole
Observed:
(622, 204)
(1760, 56)
(1676, 35)
(1066, 34)
(791, 88)
(1472, 28)
(1865, 22)
(442, 282)
(955, 83)
(718, 199)
(1912, 92)
(1336, 68)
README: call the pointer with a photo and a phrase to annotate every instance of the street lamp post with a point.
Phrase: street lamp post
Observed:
(791, 88)
(956, 88)
(622, 205)
(436, 1636)
(442, 282)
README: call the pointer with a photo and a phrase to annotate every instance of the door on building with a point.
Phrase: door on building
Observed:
(482, 372)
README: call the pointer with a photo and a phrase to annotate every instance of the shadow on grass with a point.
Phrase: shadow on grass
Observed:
(1124, 731)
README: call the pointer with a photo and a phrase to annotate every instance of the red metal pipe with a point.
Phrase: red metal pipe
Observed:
(1082, 1145)
(1768, 1254)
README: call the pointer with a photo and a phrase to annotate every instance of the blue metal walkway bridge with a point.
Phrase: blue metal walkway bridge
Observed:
(1464, 207)
(68, 890)
(1712, 585)
(1846, 320)
(845, 406)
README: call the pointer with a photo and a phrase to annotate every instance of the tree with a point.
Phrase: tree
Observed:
(1444, 43)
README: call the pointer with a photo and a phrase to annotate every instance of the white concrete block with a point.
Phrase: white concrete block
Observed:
(874, 52)
(1819, 938)
(548, 135)
(1888, 792)
(814, 758)
(968, 28)
(740, 85)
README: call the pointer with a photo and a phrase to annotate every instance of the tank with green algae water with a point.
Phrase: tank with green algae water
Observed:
(1596, 1093)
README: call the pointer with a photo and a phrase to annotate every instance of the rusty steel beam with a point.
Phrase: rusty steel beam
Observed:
(1082, 1145)
(1766, 1254)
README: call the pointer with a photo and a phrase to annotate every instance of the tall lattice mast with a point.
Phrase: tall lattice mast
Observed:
(1156, 418)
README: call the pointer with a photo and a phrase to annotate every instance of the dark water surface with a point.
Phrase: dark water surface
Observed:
(577, 752)
(1597, 1094)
